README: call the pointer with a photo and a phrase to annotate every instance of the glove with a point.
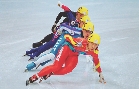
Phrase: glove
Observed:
(59, 4)
(59, 31)
(101, 78)
(79, 44)
(54, 28)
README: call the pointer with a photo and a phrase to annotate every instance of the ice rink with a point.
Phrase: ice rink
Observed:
(23, 22)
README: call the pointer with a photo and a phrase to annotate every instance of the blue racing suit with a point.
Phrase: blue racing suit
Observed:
(35, 52)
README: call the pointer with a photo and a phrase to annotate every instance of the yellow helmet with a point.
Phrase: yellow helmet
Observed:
(95, 38)
(88, 26)
(85, 19)
(83, 10)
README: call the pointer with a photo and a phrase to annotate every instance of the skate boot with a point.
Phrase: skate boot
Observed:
(45, 77)
(30, 66)
(27, 53)
(30, 59)
(31, 79)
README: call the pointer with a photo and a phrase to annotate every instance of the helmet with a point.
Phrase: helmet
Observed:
(85, 19)
(88, 26)
(83, 10)
(95, 38)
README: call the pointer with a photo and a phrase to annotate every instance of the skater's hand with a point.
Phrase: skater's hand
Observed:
(101, 80)
(79, 44)
(59, 4)
(59, 31)
(53, 28)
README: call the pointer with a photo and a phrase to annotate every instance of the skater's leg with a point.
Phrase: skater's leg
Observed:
(59, 61)
(43, 48)
(44, 40)
(70, 64)
(44, 58)
(41, 61)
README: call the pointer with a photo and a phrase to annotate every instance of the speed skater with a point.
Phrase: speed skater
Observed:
(68, 55)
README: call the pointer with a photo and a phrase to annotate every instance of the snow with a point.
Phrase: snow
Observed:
(23, 22)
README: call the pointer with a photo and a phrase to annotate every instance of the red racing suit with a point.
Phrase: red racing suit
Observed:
(67, 59)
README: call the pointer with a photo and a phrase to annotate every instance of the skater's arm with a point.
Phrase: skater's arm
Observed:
(70, 39)
(64, 7)
(62, 14)
(78, 42)
(96, 62)
(71, 30)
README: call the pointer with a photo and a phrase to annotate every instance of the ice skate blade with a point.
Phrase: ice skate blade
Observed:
(40, 80)
(104, 82)
(37, 66)
(24, 55)
(27, 82)
(26, 70)
(29, 59)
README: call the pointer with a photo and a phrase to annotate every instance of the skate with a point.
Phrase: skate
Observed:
(42, 64)
(31, 79)
(30, 66)
(45, 77)
(26, 70)
(102, 81)
(24, 55)
(30, 59)
(27, 82)
(37, 66)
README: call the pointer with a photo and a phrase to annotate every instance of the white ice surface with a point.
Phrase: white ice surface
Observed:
(23, 22)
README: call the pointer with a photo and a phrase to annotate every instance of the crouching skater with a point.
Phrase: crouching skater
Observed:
(68, 56)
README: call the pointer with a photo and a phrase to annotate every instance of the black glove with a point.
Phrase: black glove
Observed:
(53, 28)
